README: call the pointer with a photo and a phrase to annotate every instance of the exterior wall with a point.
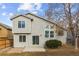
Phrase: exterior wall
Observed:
(17, 43)
(27, 28)
(63, 38)
(37, 28)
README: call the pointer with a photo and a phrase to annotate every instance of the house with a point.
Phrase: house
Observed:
(5, 35)
(30, 30)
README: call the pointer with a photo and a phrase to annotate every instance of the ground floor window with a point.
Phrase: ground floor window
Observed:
(35, 40)
(22, 38)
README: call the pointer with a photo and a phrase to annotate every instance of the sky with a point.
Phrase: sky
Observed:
(7, 10)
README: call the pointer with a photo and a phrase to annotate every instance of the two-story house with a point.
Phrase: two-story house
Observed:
(30, 30)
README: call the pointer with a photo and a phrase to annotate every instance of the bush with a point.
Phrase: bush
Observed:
(53, 44)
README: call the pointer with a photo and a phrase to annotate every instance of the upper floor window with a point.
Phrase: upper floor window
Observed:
(60, 32)
(51, 27)
(46, 34)
(47, 27)
(21, 24)
(49, 33)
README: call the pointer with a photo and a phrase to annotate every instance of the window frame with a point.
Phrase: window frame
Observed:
(21, 24)
(35, 41)
(60, 33)
(50, 34)
(49, 29)
(22, 38)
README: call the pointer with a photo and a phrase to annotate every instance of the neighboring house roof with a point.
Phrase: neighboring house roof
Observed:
(40, 18)
(5, 26)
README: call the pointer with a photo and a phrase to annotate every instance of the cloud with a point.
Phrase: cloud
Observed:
(10, 14)
(25, 6)
(4, 14)
(31, 7)
(35, 12)
(3, 7)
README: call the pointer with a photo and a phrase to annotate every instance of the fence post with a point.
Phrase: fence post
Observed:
(5, 43)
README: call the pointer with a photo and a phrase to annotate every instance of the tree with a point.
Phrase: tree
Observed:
(66, 13)
(54, 12)
(73, 21)
(49, 12)
(68, 17)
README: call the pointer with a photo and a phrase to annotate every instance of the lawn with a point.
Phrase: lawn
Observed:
(49, 52)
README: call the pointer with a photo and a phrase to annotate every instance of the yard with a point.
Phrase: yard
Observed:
(49, 52)
(61, 52)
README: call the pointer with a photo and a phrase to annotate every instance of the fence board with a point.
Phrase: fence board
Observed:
(6, 43)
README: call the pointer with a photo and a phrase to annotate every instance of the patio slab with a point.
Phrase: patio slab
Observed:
(34, 49)
(15, 50)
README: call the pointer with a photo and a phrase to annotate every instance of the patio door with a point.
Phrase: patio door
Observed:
(35, 40)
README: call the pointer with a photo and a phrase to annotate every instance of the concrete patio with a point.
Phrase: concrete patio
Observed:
(34, 49)
(20, 50)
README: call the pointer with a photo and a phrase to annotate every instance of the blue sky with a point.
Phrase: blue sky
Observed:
(7, 10)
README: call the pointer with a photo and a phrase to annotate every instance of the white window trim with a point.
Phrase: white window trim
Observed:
(22, 38)
(21, 25)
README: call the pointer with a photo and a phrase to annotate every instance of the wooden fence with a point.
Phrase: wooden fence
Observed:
(6, 43)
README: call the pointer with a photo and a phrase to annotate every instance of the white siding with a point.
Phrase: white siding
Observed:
(36, 27)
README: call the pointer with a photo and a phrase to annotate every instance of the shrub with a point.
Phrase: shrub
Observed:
(53, 43)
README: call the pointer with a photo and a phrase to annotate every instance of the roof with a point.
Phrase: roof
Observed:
(22, 16)
(51, 21)
(40, 18)
(5, 26)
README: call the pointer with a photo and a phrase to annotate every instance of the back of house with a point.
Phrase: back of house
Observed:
(30, 30)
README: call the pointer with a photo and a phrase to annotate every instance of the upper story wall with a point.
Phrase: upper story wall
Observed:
(39, 26)
(27, 28)
(35, 27)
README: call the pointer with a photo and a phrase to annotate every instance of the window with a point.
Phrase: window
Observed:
(47, 34)
(51, 27)
(22, 38)
(35, 39)
(60, 32)
(51, 33)
(21, 24)
(47, 27)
